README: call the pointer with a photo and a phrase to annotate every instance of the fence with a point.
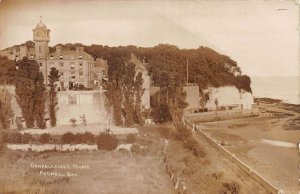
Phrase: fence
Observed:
(252, 173)
(221, 115)
(179, 184)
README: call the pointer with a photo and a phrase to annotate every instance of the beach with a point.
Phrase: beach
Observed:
(265, 143)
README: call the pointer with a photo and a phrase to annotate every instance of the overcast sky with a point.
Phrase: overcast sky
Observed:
(262, 36)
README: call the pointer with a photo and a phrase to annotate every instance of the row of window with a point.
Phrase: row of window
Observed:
(62, 57)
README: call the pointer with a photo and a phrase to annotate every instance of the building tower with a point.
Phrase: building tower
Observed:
(41, 38)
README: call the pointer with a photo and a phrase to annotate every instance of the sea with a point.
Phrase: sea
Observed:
(286, 88)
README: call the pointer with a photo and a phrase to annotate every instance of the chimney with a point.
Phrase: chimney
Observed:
(79, 48)
(58, 49)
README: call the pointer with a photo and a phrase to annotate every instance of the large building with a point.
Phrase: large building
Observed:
(76, 67)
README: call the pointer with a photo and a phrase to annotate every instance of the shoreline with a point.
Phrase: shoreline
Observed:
(266, 143)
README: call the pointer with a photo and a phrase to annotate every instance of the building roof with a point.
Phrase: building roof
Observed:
(70, 55)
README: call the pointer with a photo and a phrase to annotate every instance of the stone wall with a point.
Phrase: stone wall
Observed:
(75, 104)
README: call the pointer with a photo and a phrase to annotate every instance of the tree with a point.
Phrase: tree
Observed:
(127, 84)
(217, 104)
(139, 91)
(107, 141)
(39, 100)
(7, 71)
(53, 78)
(6, 112)
(114, 96)
(30, 92)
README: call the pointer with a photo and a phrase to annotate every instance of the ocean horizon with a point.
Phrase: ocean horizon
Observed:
(285, 88)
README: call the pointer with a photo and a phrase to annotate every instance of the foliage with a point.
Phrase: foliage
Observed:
(232, 187)
(86, 137)
(83, 119)
(127, 85)
(73, 122)
(139, 91)
(27, 138)
(193, 145)
(12, 137)
(106, 141)
(68, 138)
(7, 71)
(30, 92)
(45, 138)
(114, 95)
(39, 95)
(167, 68)
(53, 78)
(131, 138)
(182, 132)
(6, 112)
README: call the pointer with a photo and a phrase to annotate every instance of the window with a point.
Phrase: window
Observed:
(40, 57)
(51, 56)
(72, 66)
(31, 57)
(80, 57)
(81, 75)
(73, 76)
(40, 49)
(80, 66)
(61, 57)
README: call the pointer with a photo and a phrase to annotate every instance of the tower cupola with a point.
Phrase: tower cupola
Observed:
(41, 38)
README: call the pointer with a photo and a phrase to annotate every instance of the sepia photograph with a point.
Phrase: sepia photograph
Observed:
(149, 97)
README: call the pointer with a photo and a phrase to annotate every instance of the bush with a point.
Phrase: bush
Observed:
(27, 138)
(130, 138)
(232, 187)
(68, 138)
(183, 132)
(107, 141)
(135, 149)
(73, 122)
(87, 138)
(193, 145)
(45, 138)
(11, 138)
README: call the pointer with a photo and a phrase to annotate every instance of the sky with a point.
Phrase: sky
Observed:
(262, 36)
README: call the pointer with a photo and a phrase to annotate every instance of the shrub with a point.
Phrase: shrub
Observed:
(27, 138)
(1, 142)
(87, 138)
(107, 141)
(68, 138)
(12, 138)
(130, 138)
(4, 137)
(135, 149)
(232, 187)
(183, 132)
(45, 138)
(193, 145)
(73, 122)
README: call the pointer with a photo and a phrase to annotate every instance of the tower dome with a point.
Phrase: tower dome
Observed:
(41, 37)
(41, 24)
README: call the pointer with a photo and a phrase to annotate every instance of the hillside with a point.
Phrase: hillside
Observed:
(206, 66)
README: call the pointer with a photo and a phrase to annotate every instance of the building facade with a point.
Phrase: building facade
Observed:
(76, 67)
